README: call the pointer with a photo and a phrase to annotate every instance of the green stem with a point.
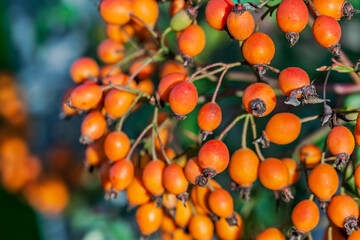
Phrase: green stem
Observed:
(244, 133)
(257, 147)
(231, 125)
(126, 59)
(153, 135)
(218, 85)
(142, 134)
(127, 89)
(150, 29)
(223, 66)
(163, 37)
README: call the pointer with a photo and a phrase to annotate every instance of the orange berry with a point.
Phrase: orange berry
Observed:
(174, 179)
(240, 23)
(167, 224)
(209, 117)
(109, 70)
(183, 98)
(323, 181)
(182, 214)
(203, 193)
(357, 176)
(145, 72)
(331, 8)
(136, 192)
(293, 78)
(83, 69)
(258, 49)
(121, 174)
(343, 210)
(66, 109)
(116, 79)
(146, 86)
(117, 102)
(201, 227)
(149, 218)
(283, 128)
(146, 10)
(172, 66)
(175, 6)
(117, 146)
(194, 173)
(167, 83)
(110, 51)
(340, 140)
(310, 155)
(192, 41)
(243, 167)
(355, 235)
(169, 200)
(271, 234)
(115, 11)
(216, 13)
(105, 176)
(213, 157)
(225, 231)
(292, 17)
(305, 216)
(120, 33)
(336, 233)
(85, 96)
(357, 136)
(293, 167)
(259, 99)
(153, 177)
(273, 174)
(357, 125)
(221, 203)
(326, 31)
(92, 127)
(95, 154)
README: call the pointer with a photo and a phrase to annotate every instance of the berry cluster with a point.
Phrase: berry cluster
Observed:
(176, 192)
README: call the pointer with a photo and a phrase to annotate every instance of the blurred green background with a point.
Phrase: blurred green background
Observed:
(39, 41)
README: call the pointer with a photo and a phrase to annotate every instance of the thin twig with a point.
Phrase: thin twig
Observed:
(154, 122)
(308, 119)
(232, 124)
(142, 134)
(218, 85)
(130, 39)
(127, 89)
(270, 10)
(162, 148)
(257, 148)
(149, 28)
(126, 114)
(244, 133)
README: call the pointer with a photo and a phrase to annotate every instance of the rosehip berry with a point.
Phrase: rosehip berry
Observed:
(194, 173)
(310, 155)
(110, 51)
(341, 144)
(243, 169)
(291, 79)
(121, 174)
(213, 158)
(120, 33)
(136, 192)
(177, 5)
(271, 234)
(209, 117)
(192, 41)
(201, 227)
(95, 154)
(167, 83)
(149, 218)
(146, 10)
(153, 177)
(115, 11)
(146, 86)
(169, 201)
(327, 33)
(117, 102)
(174, 181)
(145, 72)
(105, 176)
(85, 96)
(357, 135)
(282, 128)
(163, 135)
(221, 204)
(167, 224)
(259, 99)
(83, 69)
(336, 233)
(117, 146)
(109, 70)
(182, 214)
(357, 176)
(240, 23)
(216, 13)
(116, 79)
(292, 17)
(258, 49)
(172, 66)
(273, 174)
(67, 110)
(344, 212)
(305, 216)
(334, 8)
(183, 99)
(323, 182)
(354, 235)
(225, 231)
(203, 193)
(293, 167)
(93, 127)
